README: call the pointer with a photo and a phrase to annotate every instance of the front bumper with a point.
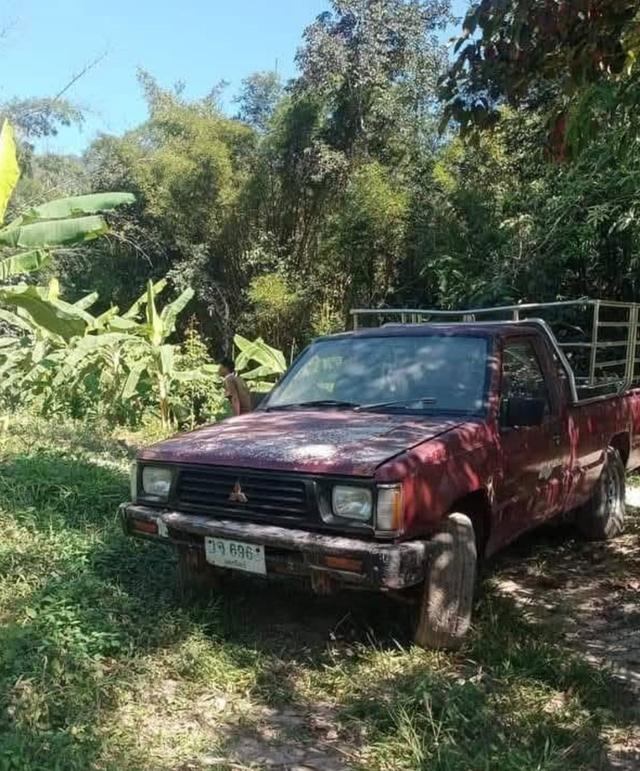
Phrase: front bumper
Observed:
(372, 565)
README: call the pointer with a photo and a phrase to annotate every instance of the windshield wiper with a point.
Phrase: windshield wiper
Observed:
(336, 403)
(397, 403)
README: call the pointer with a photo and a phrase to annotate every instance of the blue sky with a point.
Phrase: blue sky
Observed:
(199, 42)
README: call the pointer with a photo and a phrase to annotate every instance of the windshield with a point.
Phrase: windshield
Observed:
(430, 374)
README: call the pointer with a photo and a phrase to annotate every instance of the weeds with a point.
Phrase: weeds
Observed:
(102, 666)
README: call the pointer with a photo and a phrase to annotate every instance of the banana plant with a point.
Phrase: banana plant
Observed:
(154, 356)
(28, 241)
(36, 349)
(270, 362)
(134, 346)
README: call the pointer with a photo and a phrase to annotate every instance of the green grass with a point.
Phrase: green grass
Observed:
(103, 666)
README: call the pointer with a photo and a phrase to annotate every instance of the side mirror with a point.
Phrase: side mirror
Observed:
(518, 412)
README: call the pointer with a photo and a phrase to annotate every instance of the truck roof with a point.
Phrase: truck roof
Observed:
(468, 329)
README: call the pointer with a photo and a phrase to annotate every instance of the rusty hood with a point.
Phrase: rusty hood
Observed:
(319, 442)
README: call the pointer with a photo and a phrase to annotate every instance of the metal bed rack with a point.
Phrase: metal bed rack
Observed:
(602, 357)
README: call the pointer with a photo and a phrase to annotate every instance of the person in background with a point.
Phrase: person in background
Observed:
(234, 387)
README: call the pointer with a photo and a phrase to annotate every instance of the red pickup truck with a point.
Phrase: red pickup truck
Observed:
(395, 458)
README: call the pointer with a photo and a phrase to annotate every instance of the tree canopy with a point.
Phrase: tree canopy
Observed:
(338, 189)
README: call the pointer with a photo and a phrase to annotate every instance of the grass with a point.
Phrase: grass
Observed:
(102, 666)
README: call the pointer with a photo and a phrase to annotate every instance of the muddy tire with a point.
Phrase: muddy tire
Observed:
(602, 517)
(447, 598)
(194, 575)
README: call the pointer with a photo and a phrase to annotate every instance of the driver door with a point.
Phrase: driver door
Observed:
(535, 458)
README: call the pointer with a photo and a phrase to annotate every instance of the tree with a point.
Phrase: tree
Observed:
(577, 59)
(188, 165)
(258, 98)
(366, 236)
(376, 64)
(40, 117)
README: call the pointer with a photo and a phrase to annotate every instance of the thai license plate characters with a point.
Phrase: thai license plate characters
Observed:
(236, 555)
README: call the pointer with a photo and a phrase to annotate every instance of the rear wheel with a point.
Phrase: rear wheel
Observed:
(447, 596)
(603, 516)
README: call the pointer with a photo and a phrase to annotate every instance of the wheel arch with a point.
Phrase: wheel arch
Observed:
(622, 443)
(477, 506)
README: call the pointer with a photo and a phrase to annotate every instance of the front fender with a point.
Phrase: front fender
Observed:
(439, 472)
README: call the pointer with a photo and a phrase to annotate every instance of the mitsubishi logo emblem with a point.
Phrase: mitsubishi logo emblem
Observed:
(236, 495)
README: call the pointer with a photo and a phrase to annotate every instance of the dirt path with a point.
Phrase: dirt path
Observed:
(590, 592)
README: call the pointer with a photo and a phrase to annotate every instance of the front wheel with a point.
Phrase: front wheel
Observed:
(447, 597)
(602, 517)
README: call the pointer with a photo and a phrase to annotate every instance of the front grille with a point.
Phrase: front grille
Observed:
(241, 492)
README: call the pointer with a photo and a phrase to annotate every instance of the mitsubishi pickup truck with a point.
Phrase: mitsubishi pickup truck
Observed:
(394, 458)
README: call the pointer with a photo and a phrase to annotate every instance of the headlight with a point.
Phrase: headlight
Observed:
(156, 482)
(352, 502)
(389, 508)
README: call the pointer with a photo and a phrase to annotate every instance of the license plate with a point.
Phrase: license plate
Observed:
(235, 554)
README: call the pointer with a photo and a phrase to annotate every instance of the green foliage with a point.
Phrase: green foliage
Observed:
(376, 65)
(366, 235)
(270, 363)
(57, 224)
(337, 190)
(198, 400)
(277, 310)
(105, 666)
(258, 98)
(190, 176)
(40, 117)
(122, 368)
(548, 56)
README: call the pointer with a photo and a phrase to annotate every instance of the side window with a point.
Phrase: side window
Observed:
(563, 378)
(521, 374)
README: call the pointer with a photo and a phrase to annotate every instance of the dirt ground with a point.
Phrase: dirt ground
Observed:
(591, 593)
(590, 590)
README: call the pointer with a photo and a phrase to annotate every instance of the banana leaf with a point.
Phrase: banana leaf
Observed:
(154, 322)
(166, 360)
(194, 375)
(122, 324)
(142, 300)
(261, 353)
(64, 208)
(171, 312)
(83, 350)
(53, 316)
(133, 378)
(9, 169)
(54, 233)
(23, 262)
(87, 301)
(16, 320)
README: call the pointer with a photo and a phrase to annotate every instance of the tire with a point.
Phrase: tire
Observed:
(194, 575)
(447, 596)
(602, 517)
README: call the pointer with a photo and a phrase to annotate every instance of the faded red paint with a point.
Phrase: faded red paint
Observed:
(526, 475)
(312, 441)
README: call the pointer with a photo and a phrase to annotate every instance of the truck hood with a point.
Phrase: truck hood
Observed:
(319, 442)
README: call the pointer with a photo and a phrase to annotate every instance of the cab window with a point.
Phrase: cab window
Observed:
(522, 375)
